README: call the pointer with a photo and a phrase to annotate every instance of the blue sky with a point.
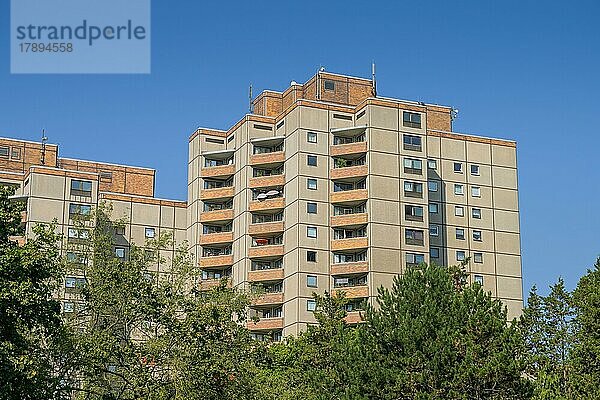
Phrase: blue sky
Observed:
(524, 70)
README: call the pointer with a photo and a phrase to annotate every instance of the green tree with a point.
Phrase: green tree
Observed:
(145, 337)
(31, 331)
(321, 363)
(547, 326)
(586, 348)
(431, 338)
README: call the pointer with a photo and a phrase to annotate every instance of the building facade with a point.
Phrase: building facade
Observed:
(327, 187)
(63, 191)
(324, 187)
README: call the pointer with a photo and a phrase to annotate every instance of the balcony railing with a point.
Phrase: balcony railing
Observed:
(218, 171)
(348, 148)
(349, 244)
(214, 238)
(265, 324)
(216, 215)
(273, 203)
(349, 268)
(348, 196)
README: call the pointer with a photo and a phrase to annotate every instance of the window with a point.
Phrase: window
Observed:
(434, 252)
(81, 188)
(68, 307)
(311, 305)
(74, 233)
(311, 231)
(459, 189)
(311, 256)
(414, 258)
(311, 183)
(312, 160)
(120, 252)
(432, 164)
(476, 213)
(433, 208)
(329, 85)
(460, 255)
(342, 258)
(217, 141)
(4, 151)
(434, 230)
(459, 211)
(413, 213)
(432, 186)
(478, 279)
(311, 137)
(79, 209)
(413, 236)
(413, 189)
(478, 257)
(412, 142)
(119, 230)
(475, 191)
(106, 176)
(475, 170)
(70, 282)
(460, 233)
(311, 208)
(311, 280)
(411, 120)
(412, 166)
(149, 233)
(458, 167)
(477, 236)
(230, 138)
(15, 154)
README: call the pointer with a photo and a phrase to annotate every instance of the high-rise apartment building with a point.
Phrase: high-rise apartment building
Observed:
(327, 187)
(324, 187)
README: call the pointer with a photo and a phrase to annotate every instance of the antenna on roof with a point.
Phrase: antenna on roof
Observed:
(44, 140)
(374, 81)
(250, 108)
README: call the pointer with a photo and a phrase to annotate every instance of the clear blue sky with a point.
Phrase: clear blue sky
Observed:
(524, 70)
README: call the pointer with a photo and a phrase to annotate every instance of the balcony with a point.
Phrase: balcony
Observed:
(349, 219)
(350, 268)
(265, 275)
(267, 181)
(358, 171)
(216, 215)
(275, 250)
(354, 292)
(216, 238)
(216, 261)
(266, 228)
(348, 148)
(353, 317)
(220, 171)
(268, 299)
(355, 195)
(265, 324)
(349, 244)
(267, 158)
(217, 193)
(209, 284)
(267, 204)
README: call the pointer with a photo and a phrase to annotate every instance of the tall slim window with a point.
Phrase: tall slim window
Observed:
(460, 233)
(459, 189)
(311, 256)
(475, 170)
(311, 184)
(311, 231)
(311, 160)
(311, 208)
(458, 167)
(476, 213)
(311, 280)
(475, 191)
(311, 137)
(432, 186)
(459, 211)
(460, 255)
